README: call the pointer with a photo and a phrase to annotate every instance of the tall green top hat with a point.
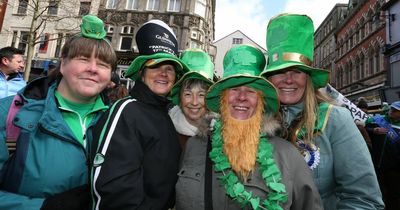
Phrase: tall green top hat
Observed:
(92, 27)
(290, 43)
(156, 43)
(200, 67)
(242, 66)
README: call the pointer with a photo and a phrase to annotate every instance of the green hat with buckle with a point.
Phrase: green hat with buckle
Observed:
(242, 66)
(156, 43)
(200, 67)
(92, 27)
(290, 43)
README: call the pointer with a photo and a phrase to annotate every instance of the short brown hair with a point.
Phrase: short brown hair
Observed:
(81, 46)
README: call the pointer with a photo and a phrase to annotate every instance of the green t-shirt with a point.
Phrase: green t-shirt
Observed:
(78, 116)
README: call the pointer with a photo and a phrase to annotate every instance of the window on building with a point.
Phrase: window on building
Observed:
(126, 42)
(59, 45)
(84, 8)
(126, 38)
(14, 38)
(44, 43)
(132, 4)
(237, 41)
(194, 44)
(112, 4)
(153, 5)
(370, 67)
(377, 59)
(350, 74)
(22, 6)
(200, 8)
(174, 5)
(23, 40)
(362, 69)
(53, 8)
(110, 31)
(357, 72)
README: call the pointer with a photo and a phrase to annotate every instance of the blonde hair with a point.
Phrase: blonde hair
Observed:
(312, 98)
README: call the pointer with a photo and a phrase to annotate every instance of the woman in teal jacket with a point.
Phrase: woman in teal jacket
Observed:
(49, 167)
(324, 134)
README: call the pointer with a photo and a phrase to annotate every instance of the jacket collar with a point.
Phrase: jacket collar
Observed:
(142, 93)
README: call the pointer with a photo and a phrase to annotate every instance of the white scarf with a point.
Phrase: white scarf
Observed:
(182, 126)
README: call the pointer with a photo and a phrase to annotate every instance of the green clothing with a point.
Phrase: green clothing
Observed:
(78, 116)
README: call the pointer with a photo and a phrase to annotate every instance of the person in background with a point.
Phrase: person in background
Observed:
(49, 167)
(136, 153)
(363, 105)
(11, 65)
(190, 115)
(324, 134)
(115, 90)
(242, 165)
(384, 131)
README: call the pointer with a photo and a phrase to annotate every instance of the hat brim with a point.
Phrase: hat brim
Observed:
(137, 64)
(319, 77)
(270, 94)
(175, 92)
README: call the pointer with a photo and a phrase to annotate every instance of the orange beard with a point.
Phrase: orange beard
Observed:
(241, 137)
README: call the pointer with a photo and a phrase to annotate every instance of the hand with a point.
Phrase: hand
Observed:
(379, 130)
(75, 199)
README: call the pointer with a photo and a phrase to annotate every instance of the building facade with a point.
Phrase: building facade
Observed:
(55, 21)
(325, 41)
(191, 20)
(391, 12)
(226, 43)
(360, 66)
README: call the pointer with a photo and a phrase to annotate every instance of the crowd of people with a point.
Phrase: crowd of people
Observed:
(261, 137)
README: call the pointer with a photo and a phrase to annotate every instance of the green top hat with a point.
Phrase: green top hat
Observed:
(92, 27)
(290, 43)
(242, 66)
(157, 43)
(200, 67)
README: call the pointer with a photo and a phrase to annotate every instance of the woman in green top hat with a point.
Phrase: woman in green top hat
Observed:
(190, 115)
(48, 169)
(324, 134)
(242, 164)
(136, 155)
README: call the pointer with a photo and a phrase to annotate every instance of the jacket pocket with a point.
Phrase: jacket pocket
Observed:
(190, 189)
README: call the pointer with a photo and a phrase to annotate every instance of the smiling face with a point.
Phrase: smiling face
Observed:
(160, 78)
(242, 102)
(193, 103)
(291, 84)
(83, 78)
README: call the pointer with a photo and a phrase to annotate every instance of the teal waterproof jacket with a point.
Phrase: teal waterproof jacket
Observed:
(48, 159)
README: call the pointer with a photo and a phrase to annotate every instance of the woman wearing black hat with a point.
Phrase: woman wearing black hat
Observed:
(136, 157)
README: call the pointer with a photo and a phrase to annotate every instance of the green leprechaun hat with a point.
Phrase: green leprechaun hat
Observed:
(290, 43)
(156, 43)
(92, 27)
(200, 67)
(242, 66)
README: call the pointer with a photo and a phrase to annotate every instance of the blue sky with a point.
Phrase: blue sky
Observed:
(252, 16)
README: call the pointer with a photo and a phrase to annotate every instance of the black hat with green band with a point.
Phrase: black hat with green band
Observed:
(157, 43)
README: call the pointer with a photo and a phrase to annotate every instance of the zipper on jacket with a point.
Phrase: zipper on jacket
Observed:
(83, 123)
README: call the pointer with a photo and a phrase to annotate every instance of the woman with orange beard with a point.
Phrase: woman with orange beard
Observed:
(242, 164)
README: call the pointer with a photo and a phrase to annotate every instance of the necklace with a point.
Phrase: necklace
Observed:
(235, 189)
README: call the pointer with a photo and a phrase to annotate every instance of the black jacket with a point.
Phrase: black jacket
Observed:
(136, 168)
